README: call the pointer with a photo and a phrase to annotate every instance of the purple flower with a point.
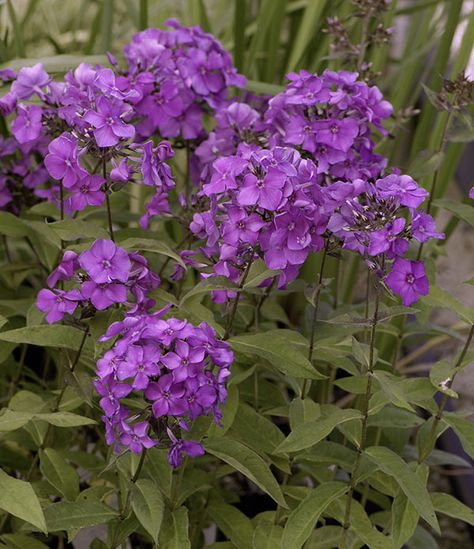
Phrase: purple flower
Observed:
(27, 125)
(104, 295)
(86, 192)
(65, 269)
(180, 447)
(241, 227)
(183, 357)
(56, 304)
(338, 134)
(408, 280)
(136, 438)
(167, 396)
(423, 227)
(30, 80)
(108, 122)
(62, 160)
(105, 262)
(403, 187)
(111, 392)
(265, 191)
(141, 363)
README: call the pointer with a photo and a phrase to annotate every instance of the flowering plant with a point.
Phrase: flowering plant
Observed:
(224, 283)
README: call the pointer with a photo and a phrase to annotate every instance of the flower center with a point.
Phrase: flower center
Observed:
(334, 129)
(106, 264)
(410, 278)
(240, 225)
(109, 121)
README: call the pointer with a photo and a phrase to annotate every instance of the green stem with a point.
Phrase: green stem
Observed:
(365, 418)
(444, 399)
(230, 322)
(307, 383)
(126, 508)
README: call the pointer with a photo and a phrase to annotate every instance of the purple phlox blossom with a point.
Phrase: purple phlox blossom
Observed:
(107, 121)
(402, 187)
(111, 392)
(154, 169)
(122, 172)
(30, 80)
(264, 190)
(225, 172)
(105, 294)
(8, 103)
(136, 437)
(184, 358)
(65, 270)
(338, 134)
(7, 75)
(106, 262)
(423, 227)
(167, 396)
(179, 447)
(86, 192)
(408, 280)
(382, 240)
(62, 161)
(471, 193)
(27, 125)
(241, 227)
(56, 304)
(139, 363)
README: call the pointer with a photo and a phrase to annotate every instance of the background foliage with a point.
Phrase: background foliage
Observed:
(291, 455)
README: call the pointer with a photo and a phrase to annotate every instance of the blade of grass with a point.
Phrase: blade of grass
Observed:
(310, 23)
(143, 15)
(95, 28)
(452, 14)
(133, 12)
(106, 23)
(17, 34)
(273, 42)
(240, 15)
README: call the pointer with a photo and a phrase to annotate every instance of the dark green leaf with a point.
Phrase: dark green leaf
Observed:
(249, 463)
(18, 498)
(78, 514)
(65, 337)
(148, 506)
(59, 474)
(235, 525)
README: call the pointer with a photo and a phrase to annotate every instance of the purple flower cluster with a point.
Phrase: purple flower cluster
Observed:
(179, 74)
(99, 277)
(179, 369)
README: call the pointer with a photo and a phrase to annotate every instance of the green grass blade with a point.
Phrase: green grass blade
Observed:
(17, 34)
(453, 13)
(143, 15)
(273, 42)
(310, 23)
(240, 15)
(106, 25)
(95, 28)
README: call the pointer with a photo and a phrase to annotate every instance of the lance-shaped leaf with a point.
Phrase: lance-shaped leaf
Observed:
(307, 434)
(174, 533)
(235, 525)
(59, 474)
(411, 485)
(45, 335)
(18, 498)
(77, 514)
(150, 245)
(303, 519)
(284, 349)
(246, 461)
(148, 506)
(449, 505)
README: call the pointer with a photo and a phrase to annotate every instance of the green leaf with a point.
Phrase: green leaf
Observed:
(303, 410)
(263, 87)
(18, 498)
(390, 387)
(282, 348)
(392, 464)
(449, 505)
(77, 514)
(404, 519)
(441, 374)
(20, 541)
(65, 419)
(174, 533)
(460, 210)
(425, 163)
(208, 285)
(45, 335)
(258, 272)
(310, 433)
(59, 474)
(58, 63)
(148, 506)
(464, 430)
(235, 525)
(150, 245)
(72, 229)
(11, 420)
(441, 298)
(461, 129)
(11, 225)
(249, 463)
(303, 519)
(267, 534)
(157, 466)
